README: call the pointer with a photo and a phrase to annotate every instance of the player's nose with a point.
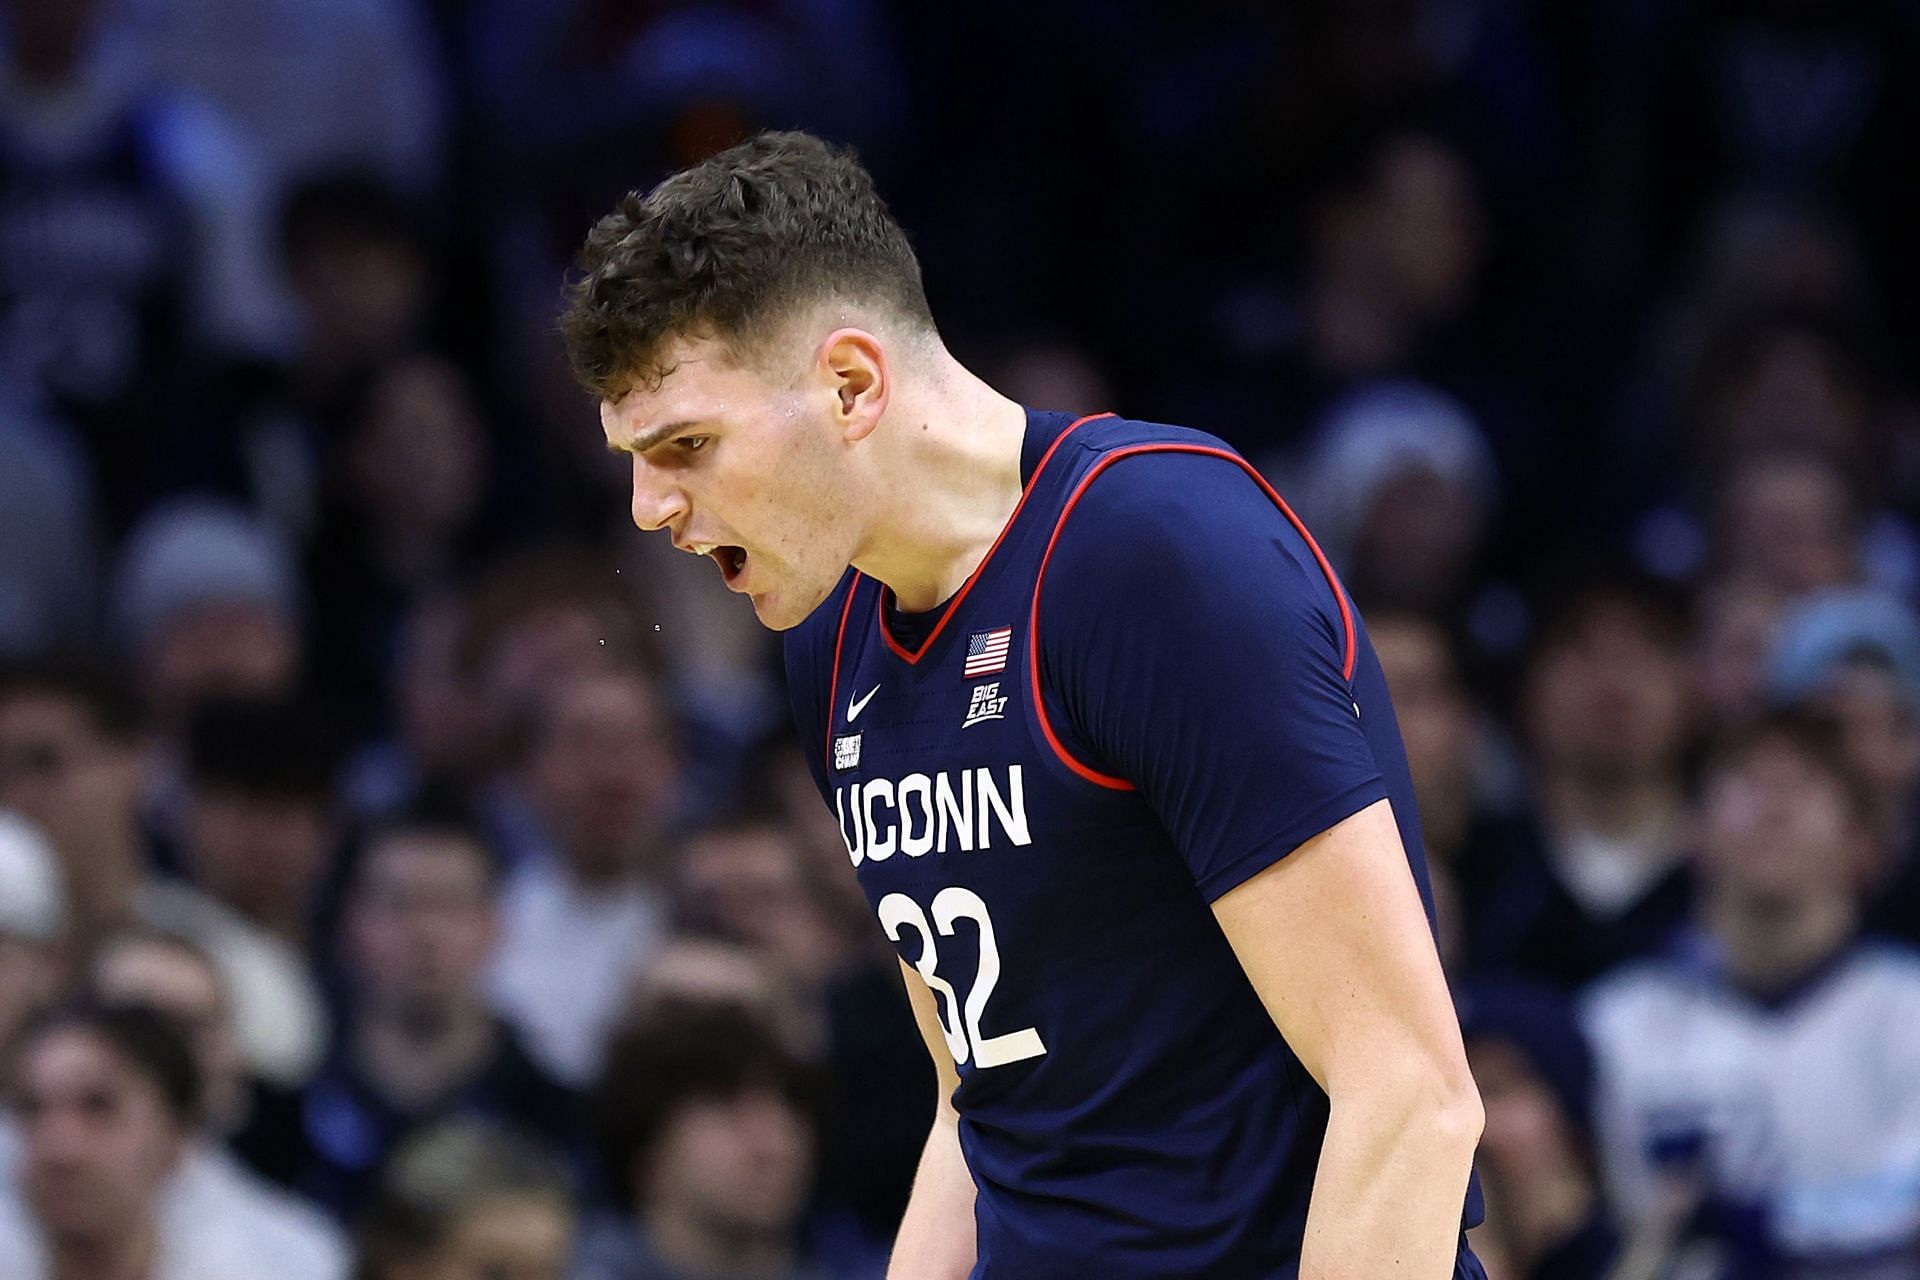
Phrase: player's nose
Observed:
(657, 502)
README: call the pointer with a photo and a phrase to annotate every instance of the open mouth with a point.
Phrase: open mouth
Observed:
(732, 562)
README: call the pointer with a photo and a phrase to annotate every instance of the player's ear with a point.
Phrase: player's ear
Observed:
(856, 373)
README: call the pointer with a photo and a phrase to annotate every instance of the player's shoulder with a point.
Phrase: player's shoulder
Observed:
(1139, 497)
(1108, 438)
(1153, 475)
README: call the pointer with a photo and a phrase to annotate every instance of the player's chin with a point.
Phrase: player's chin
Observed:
(782, 608)
(776, 611)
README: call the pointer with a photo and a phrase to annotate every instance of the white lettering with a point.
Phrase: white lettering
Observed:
(955, 813)
(911, 844)
(853, 838)
(876, 850)
(931, 813)
(1013, 817)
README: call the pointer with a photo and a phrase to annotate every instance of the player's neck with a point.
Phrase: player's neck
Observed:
(950, 479)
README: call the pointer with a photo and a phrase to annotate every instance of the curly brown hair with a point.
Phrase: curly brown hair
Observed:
(729, 249)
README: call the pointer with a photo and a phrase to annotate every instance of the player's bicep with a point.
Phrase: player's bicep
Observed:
(1335, 942)
(926, 1016)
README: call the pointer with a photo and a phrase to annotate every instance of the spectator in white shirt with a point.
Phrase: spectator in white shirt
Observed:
(584, 912)
(1755, 1085)
(106, 1101)
(74, 759)
(33, 922)
(212, 1193)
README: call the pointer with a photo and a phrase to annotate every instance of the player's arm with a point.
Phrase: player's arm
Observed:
(1224, 693)
(1335, 941)
(936, 1238)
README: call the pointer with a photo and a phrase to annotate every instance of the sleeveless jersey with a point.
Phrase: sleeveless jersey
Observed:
(1151, 689)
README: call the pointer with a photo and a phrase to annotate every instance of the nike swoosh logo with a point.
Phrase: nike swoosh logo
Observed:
(858, 705)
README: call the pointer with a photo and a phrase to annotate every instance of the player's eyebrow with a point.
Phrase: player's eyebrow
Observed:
(647, 440)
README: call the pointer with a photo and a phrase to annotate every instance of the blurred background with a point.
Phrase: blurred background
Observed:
(405, 869)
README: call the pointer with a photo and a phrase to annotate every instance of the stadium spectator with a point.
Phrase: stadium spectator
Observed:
(357, 259)
(49, 581)
(533, 622)
(1760, 252)
(690, 970)
(1855, 655)
(1787, 383)
(746, 880)
(1752, 1083)
(419, 1041)
(1602, 877)
(180, 978)
(749, 880)
(1394, 237)
(1466, 778)
(468, 1201)
(401, 520)
(257, 829)
(1806, 100)
(705, 1127)
(1546, 1216)
(581, 912)
(72, 759)
(211, 1192)
(33, 924)
(133, 237)
(208, 605)
(1437, 723)
(436, 732)
(353, 83)
(106, 1102)
(1400, 491)
(1785, 525)
(1733, 641)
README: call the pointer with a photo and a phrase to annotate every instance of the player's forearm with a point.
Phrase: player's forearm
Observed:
(936, 1239)
(1391, 1182)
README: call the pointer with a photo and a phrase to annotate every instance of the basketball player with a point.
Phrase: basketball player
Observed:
(1109, 747)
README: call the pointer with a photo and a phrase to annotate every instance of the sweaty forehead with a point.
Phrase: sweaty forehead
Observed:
(696, 385)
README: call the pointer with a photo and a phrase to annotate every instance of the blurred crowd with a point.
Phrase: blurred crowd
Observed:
(406, 870)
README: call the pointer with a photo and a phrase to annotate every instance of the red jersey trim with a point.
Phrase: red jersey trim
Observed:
(833, 685)
(886, 593)
(1033, 623)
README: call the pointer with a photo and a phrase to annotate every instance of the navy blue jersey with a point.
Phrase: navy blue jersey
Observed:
(1150, 690)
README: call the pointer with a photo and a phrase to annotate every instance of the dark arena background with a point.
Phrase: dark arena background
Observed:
(409, 872)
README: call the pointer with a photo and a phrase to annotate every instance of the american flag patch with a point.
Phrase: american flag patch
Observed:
(987, 652)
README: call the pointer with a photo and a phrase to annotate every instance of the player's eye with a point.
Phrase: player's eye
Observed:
(691, 444)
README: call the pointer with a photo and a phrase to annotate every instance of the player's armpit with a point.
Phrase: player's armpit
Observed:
(1335, 942)
(926, 1016)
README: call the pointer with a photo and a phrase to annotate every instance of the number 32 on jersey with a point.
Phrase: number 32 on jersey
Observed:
(964, 1036)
